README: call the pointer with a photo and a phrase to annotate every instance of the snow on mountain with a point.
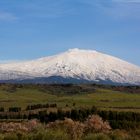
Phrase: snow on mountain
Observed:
(77, 64)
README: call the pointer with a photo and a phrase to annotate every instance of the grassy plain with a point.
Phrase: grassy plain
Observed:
(103, 98)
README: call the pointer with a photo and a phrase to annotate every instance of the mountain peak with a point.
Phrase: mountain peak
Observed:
(73, 65)
(74, 50)
(77, 50)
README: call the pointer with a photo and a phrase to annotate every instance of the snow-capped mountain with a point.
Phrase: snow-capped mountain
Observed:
(75, 65)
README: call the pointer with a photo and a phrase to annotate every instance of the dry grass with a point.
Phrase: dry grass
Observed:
(11, 127)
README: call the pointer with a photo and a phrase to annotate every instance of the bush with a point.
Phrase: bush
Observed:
(1, 109)
(95, 123)
(14, 109)
(74, 129)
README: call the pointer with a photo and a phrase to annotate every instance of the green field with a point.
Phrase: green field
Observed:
(103, 98)
(76, 102)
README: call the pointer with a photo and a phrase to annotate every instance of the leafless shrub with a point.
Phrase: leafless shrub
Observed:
(75, 129)
(18, 126)
(96, 123)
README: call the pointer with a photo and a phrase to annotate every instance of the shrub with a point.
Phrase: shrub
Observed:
(14, 109)
(95, 123)
(1, 109)
(13, 127)
(74, 129)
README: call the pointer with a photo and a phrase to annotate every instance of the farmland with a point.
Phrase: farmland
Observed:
(82, 95)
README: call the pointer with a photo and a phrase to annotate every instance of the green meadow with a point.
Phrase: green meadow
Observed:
(101, 97)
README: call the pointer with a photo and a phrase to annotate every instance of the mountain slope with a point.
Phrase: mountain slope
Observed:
(73, 65)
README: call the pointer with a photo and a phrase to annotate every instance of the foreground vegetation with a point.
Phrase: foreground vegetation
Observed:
(93, 128)
(65, 112)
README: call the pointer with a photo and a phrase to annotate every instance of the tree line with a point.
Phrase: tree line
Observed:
(68, 88)
(118, 120)
(29, 107)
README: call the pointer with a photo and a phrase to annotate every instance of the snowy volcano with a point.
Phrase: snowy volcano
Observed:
(73, 66)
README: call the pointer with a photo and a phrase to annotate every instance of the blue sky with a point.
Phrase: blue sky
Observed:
(36, 28)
